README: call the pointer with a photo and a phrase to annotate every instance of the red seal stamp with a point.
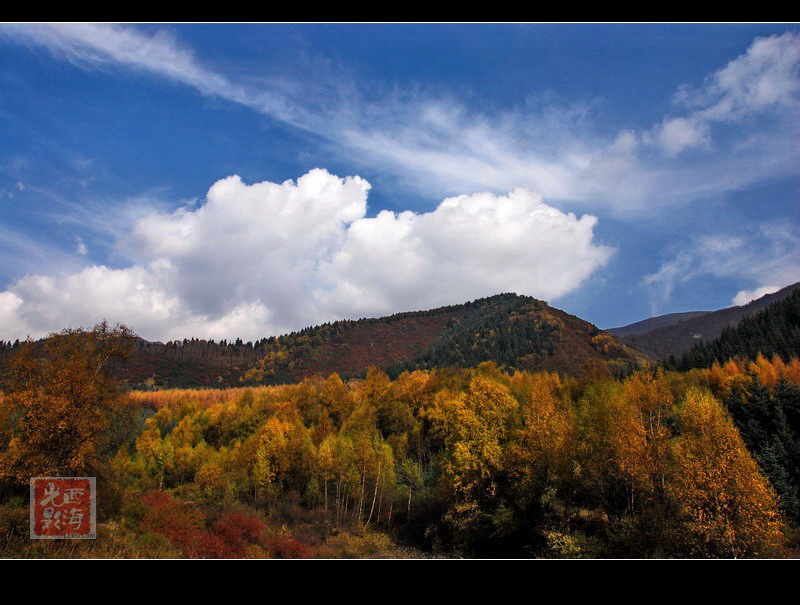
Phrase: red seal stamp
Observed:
(63, 508)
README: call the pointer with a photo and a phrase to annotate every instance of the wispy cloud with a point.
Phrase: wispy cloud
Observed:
(740, 127)
(21, 254)
(116, 46)
(768, 258)
(439, 144)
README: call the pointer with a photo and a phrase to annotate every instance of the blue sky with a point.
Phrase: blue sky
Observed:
(243, 180)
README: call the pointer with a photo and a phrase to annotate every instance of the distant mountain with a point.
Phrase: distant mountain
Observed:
(771, 331)
(654, 323)
(518, 332)
(678, 338)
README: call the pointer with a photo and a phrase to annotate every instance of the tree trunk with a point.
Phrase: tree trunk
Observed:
(374, 493)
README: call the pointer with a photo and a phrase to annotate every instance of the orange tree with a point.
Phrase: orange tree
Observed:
(59, 402)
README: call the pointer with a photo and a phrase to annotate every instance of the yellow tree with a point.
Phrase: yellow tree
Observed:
(326, 463)
(541, 454)
(337, 399)
(62, 399)
(474, 425)
(642, 437)
(726, 507)
(271, 456)
(158, 454)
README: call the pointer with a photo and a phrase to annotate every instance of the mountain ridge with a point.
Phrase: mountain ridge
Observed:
(678, 338)
(653, 323)
(518, 332)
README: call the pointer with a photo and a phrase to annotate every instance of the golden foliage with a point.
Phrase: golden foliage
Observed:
(60, 401)
(728, 507)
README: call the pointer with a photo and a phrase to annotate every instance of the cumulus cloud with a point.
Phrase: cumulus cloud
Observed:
(469, 246)
(745, 296)
(260, 259)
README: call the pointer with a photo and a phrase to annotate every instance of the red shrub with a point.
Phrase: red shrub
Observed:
(184, 526)
(169, 518)
(211, 546)
(247, 527)
(236, 530)
(289, 548)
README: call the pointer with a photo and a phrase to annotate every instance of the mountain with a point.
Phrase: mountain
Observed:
(772, 331)
(678, 338)
(654, 323)
(519, 332)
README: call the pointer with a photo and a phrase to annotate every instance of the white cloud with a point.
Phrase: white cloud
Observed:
(765, 78)
(107, 45)
(769, 255)
(260, 259)
(81, 248)
(677, 134)
(468, 247)
(745, 296)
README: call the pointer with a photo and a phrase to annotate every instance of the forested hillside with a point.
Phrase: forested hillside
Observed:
(518, 332)
(677, 339)
(443, 462)
(761, 394)
(473, 443)
(773, 331)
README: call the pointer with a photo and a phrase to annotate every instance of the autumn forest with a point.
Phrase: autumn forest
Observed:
(696, 457)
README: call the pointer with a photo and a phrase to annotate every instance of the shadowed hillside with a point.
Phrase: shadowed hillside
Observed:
(679, 338)
(654, 323)
(770, 332)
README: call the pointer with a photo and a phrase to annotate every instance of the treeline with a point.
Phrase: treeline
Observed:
(473, 332)
(773, 331)
(516, 332)
(180, 363)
